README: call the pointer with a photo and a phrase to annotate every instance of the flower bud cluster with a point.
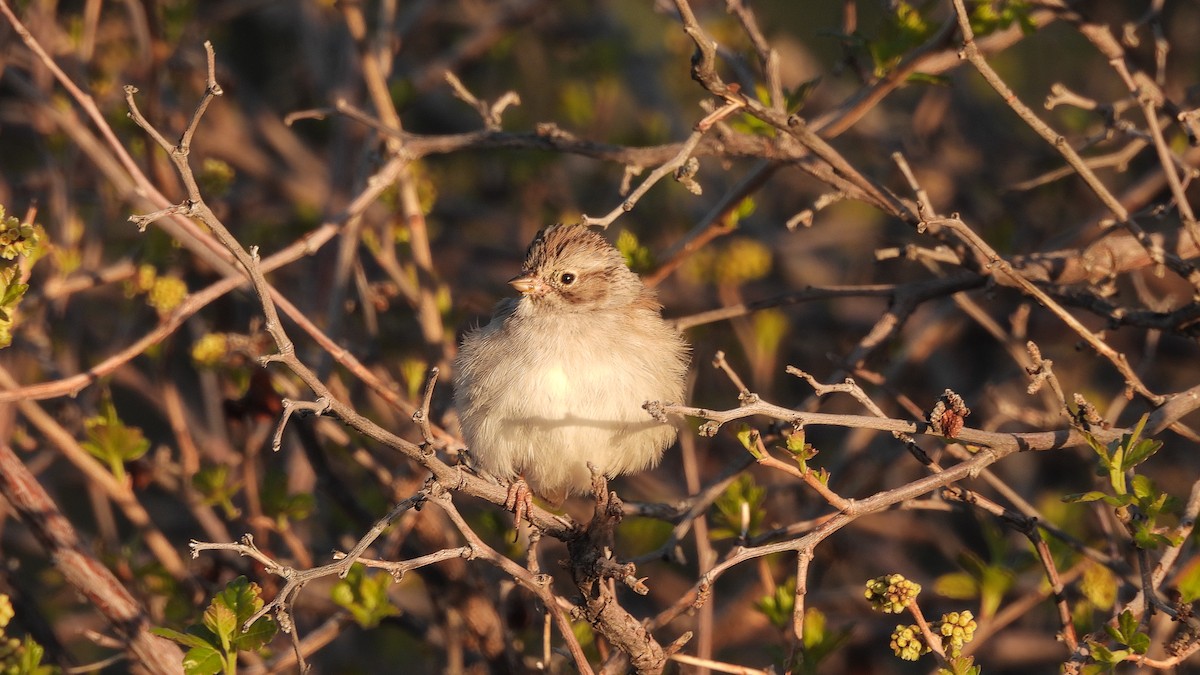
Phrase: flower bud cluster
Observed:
(907, 643)
(891, 593)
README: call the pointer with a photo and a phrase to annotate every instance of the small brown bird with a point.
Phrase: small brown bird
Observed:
(557, 379)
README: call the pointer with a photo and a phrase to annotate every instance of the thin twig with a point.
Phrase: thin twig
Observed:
(421, 416)
(680, 158)
(1058, 142)
(539, 585)
(1002, 268)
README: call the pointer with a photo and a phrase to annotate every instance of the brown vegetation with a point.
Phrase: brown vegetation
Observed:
(937, 262)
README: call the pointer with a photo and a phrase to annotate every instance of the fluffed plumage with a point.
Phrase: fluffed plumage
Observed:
(557, 379)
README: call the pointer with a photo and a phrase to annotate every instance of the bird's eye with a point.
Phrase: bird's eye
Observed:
(567, 278)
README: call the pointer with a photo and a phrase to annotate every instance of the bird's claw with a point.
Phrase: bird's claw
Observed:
(520, 501)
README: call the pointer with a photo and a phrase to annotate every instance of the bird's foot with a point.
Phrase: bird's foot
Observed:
(519, 500)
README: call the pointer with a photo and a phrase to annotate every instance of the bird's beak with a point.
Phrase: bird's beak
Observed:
(526, 283)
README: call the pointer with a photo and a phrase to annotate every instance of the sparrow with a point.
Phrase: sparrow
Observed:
(555, 383)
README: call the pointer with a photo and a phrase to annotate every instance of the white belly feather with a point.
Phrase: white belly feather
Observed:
(553, 409)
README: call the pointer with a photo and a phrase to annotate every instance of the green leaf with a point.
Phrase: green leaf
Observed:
(903, 31)
(1128, 625)
(204, 660)
(814, 626)
(282, 505)
(960, 665)
(365, 596)
(1078, 497)
(1126, 632)
(230, 609)
(1160, 504)
(928, 78)
(13, 293)
(761, 93)
(796, 443)
(342, 594)
(989, 17)
(1141, 451)
(995, 583)
(583, 632)
(1099, 585)
(800, 450)
(638, 257)
(1118, 501)
(214, 483)
(770, 327)
(110, 440)
(751, 126)
(31, 658)
(727, 521)
(1139, 643)
(1188, 582)
(1115, 501)
(987, 581)
(1143, 487)
(639, 536)
(1145, 537)
(957, 586)
(746, 436)
(185, 639)
(1100, 449)
(222, 621)
(1131, 450)
(796, 98)
(1108, 658)
(243, 597)
(215, 177)
(257, 636)
(778, 606)
(819, 642)
(744, 209)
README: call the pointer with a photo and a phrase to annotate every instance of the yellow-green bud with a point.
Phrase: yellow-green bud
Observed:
(143, 281)
(210, 349)
(956, 629)
(166, 294)
(742, 260)
(16, 238)
(891, 593)
(907, 644)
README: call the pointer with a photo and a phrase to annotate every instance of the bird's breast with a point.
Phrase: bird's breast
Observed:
(554, 383)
